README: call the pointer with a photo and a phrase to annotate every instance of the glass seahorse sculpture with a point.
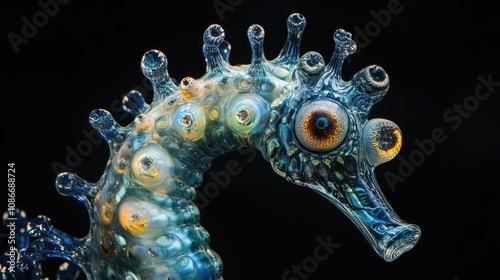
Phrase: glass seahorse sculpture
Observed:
(310, 124)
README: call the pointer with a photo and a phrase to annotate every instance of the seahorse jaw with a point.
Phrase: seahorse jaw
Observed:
(362, 201)
(388, 235)
(404, 241)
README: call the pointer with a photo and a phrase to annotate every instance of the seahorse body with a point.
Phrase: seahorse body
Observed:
(308, 122)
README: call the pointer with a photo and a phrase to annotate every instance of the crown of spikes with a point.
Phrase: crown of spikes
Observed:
(366, 88)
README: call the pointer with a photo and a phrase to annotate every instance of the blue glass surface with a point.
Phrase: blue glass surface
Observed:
(310, 124)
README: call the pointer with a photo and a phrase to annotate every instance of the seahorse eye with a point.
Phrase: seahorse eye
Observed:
(321, 125)
(382, 140)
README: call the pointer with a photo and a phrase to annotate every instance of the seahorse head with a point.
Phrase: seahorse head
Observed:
(319, 136)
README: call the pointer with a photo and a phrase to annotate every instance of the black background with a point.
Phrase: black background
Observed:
(87, 56)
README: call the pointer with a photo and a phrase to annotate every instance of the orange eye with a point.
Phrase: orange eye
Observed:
(321, 125)
(382, 140)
